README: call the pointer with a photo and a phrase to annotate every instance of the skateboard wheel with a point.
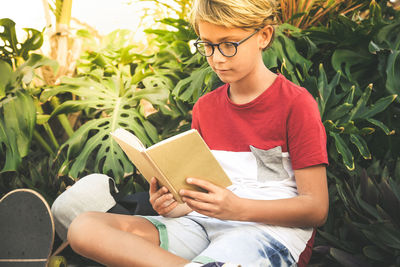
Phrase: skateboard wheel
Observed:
(57, 261)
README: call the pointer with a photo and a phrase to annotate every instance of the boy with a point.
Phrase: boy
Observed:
(267, 134)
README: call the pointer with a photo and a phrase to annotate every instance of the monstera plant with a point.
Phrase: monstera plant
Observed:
(18, 105)
(113, 102)
(117, 87)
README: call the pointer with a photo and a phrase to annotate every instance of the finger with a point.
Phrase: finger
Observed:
(159, 193)
(203, 197)
(164, 200)
(168, 209)
(208, 186)
(153, 185)
(164, 205)
(198, 205)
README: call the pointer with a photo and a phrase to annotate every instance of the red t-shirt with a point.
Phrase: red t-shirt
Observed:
(284, 115)
(260, 143)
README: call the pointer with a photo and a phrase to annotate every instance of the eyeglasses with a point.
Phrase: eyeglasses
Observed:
(228, 49)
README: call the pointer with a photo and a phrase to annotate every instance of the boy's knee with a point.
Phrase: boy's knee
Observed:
(80, 229)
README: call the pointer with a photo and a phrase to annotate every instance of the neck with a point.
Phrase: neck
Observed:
(253, 85)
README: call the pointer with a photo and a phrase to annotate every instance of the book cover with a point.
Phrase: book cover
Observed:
(173, 160)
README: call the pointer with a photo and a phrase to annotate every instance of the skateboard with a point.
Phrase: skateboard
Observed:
(27, 231)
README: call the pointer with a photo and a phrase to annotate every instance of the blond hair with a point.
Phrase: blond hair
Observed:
(246, 14)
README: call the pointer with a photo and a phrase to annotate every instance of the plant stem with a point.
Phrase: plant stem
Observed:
(48, 129)
(51, 135)
(43, 143)
(63, 119)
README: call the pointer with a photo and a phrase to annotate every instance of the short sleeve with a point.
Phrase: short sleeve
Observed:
(306, 136)
(195, 117)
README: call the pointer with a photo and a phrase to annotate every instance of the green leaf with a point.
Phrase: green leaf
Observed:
(12, 156)
(91, 144)
(12, 47)
(375, 253)
(323, 89)
(373, 48)
(393, 72)
(350, 60)
(33, 42)
(5, 77)
(25, 73)
(344, 151)
(20, 119)
(330, 126)
(350, 128)
(381, 125)
(151, 131)
(157, 89)
(395, 187)
(283, 52)
(389, 36)
(42, 119)
(192, 87)
(334, 240)
(346, 259)
(376, 108)
(339, 111)
(361, 104)
(384, 234)
(83, 147)
(367, 207)
(361, 144)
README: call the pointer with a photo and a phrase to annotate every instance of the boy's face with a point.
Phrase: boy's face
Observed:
(248, 56)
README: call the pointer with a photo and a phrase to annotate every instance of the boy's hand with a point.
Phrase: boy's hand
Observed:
(161, 199)
(218, 202)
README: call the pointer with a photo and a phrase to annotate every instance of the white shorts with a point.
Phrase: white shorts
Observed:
(205, 239)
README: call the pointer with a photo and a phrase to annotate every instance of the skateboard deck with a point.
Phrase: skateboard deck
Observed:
(26, 230)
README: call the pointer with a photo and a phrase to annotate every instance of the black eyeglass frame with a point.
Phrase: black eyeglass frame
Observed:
(235, 44)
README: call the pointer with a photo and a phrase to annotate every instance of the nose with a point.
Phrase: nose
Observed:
(217, 56)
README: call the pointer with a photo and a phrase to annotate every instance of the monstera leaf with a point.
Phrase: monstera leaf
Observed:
(114, 103)
(11, 47)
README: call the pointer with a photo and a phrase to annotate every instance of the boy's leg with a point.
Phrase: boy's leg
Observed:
(119, 240)
(245, 245)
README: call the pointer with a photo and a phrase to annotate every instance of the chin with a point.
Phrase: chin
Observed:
(226, 79)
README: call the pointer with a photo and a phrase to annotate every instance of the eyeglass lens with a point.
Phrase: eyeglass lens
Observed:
(226, 49)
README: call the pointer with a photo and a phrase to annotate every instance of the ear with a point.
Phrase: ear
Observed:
(265, 34)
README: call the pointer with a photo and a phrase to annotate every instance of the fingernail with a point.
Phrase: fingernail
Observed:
(182, 192)
(189, 180)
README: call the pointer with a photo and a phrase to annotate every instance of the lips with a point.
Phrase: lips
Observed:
(221, 71)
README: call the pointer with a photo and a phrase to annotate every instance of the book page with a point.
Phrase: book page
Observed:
(170, 139)
(128, 138)
(135, 151)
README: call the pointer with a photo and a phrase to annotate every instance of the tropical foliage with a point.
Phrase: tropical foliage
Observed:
(364, 227)
(306, 13)
(115, 88)
(55, 121)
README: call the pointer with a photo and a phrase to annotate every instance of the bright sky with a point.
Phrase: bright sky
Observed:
(103, 15)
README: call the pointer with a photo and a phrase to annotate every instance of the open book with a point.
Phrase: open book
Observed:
(173, 160)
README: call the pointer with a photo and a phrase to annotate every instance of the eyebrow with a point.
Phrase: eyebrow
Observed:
(222, 39)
